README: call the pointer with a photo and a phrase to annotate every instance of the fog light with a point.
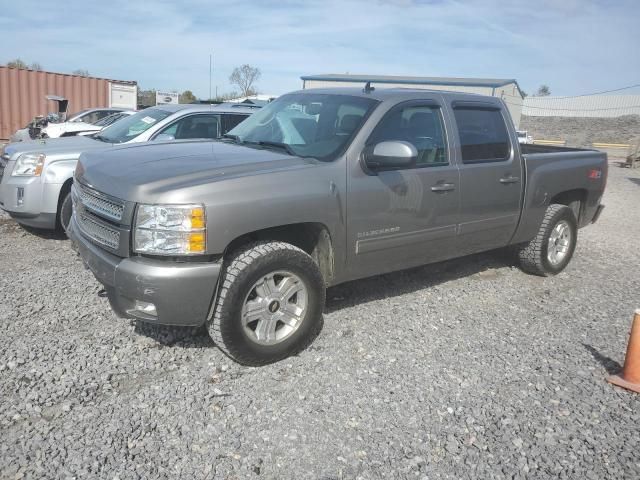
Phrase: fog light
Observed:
(19, 196)
(146, 308)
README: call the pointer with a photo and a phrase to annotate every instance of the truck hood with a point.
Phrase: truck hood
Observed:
(147, 171)
(55, 146)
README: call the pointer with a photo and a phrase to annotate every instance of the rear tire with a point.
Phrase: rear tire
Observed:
(269, 304)
(551, 249)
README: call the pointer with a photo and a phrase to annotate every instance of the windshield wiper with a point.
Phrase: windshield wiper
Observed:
(230, 136)
(282, 146)
(97, 136)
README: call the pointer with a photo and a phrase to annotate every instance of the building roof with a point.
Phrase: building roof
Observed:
(449, 81)
(126, 82)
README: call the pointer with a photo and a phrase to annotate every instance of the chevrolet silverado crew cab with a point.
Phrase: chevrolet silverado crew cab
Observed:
(321, 187)
(36, 176)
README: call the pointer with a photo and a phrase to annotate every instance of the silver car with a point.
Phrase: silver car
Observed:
(36, 176)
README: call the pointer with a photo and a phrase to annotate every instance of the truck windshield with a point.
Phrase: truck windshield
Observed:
(306, 124)
(132, 126)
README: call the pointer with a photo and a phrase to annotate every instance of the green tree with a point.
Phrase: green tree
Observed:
(187, 97)
(17, 63)
(146, 98)
(244, 77)
(543, 91)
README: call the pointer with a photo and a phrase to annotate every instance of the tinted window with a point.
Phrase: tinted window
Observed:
(194, 126)
(483, 135)
(231, 120)
(420, 125)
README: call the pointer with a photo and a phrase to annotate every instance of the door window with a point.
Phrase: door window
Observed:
(420, 125)
(483, 135)
(194, 126)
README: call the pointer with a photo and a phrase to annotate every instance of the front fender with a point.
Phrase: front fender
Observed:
(59, 171)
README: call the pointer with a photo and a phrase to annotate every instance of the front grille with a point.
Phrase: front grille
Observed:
(97, 203)
(96, 231)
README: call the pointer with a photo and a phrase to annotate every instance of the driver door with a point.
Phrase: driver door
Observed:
(407, 216)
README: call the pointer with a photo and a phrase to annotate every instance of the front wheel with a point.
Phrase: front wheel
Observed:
(551, 249)
(269, 303)
(66, 209)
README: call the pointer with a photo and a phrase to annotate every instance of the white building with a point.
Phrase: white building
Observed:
(507, 89)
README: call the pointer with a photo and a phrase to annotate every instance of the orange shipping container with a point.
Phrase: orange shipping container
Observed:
(22, 95)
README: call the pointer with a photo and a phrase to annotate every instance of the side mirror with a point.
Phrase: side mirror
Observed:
(391, 155)
(164, 137)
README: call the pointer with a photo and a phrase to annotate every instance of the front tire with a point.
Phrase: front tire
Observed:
(269, 304)
(551, 249)
(64, 215)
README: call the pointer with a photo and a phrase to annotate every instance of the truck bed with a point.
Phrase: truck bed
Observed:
(533, 148)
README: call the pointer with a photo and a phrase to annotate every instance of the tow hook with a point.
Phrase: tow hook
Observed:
(102, 293)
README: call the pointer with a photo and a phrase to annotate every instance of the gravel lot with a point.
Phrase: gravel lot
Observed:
(467, 369)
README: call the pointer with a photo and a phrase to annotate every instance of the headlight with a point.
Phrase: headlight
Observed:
(170, 230)
(29, 165)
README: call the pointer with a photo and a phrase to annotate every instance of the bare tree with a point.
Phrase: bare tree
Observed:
(244, 77)
(81, 72)
(17, 63)
(36, 66)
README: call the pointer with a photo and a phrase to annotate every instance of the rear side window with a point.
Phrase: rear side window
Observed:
(483, 135)
(231, 120)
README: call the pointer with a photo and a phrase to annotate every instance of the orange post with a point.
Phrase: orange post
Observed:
(630, 377)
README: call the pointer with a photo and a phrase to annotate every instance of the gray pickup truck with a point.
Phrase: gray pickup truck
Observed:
(36, 176)
(321, 187)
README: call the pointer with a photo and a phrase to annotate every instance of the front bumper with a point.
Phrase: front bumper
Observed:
(28, 200)
(181, 292)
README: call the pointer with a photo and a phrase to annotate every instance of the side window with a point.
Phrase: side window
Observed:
(230, 120)
(420, 125)
(483, 135)
(194, 126)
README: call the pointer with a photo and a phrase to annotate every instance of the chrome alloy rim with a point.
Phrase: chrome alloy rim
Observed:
(274, 308)
(559, 242)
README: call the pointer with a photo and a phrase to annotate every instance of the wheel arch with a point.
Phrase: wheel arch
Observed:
(574, 199)
(311, 237)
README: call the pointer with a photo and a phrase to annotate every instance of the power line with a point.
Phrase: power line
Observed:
(598, 93)
(572, 110)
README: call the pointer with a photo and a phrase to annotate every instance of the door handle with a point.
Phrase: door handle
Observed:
(509, 180)
(443, 187)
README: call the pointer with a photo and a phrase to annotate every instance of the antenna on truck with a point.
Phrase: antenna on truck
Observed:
(368, 88)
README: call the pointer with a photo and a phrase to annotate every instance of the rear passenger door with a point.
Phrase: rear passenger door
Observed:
(406, 216)
(490, 177)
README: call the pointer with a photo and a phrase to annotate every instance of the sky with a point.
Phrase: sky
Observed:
(574, 46)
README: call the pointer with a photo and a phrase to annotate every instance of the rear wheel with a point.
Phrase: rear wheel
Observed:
(551, 249)
(269, 304)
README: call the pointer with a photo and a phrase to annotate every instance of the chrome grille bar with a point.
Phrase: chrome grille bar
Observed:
(97, 232)
(99, 204)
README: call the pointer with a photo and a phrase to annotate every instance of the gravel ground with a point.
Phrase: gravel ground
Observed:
(466, 369)
(582, 132)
